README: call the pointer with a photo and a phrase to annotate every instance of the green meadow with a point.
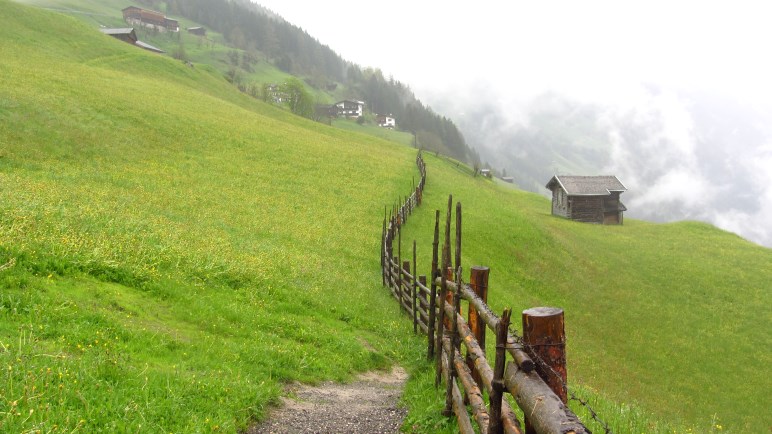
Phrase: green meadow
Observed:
(174, 252)
(667, 324)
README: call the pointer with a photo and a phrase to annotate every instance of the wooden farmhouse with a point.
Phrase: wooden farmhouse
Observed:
(198, 31)
(150, 19)
(590, 199)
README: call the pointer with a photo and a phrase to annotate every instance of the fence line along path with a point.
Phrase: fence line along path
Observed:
(531, 368)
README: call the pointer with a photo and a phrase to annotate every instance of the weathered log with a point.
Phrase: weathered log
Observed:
(422, 288)
(464, 424)
(478, 282)
(545, 335)
(476, 401)
(547, 414)
(517, 351)
(423, 327)
(508, 417)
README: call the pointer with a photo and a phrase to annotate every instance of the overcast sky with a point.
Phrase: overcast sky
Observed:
(590, 48)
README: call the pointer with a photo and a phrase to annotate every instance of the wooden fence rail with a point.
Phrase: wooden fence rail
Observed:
(435, 307)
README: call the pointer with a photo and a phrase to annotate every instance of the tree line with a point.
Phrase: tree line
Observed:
(250, 27)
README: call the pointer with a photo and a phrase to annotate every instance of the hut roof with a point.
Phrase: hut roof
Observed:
(587, 185)
(119, 31)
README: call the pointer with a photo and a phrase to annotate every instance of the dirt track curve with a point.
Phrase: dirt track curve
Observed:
(368, 405)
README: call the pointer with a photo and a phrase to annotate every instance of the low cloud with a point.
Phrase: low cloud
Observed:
(682, 155)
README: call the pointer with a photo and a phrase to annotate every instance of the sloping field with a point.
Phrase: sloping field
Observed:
(672, 318)
(171, 251)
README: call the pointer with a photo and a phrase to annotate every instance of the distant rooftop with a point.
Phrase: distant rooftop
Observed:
(587, 185)
(119, 31)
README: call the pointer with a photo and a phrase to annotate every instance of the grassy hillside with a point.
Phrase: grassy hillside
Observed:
(171, 251)
(672, 318)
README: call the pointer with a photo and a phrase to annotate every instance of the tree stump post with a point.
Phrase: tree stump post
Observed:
(544, 336)
(478, 281)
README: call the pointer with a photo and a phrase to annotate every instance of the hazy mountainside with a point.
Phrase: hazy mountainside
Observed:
(682, 155)
(252, 28)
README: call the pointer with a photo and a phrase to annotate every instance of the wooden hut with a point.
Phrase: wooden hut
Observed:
(590, 199)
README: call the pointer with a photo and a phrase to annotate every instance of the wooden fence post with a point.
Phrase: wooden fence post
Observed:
(415, 292)
(399, 266)
(478, 281)
(444, 290)
(383, 248)
(406, 287)
(458, 239)
(544, 336)
(433, 295)
(454, 347)
(442, 320)
(496, 425)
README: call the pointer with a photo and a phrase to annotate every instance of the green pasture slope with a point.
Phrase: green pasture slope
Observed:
(172, 252)
(668, 324)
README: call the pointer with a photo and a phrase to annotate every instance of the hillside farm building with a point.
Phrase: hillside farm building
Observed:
(590, 199)
(198, 31)
(150, 19)
(386, 121)
(130, 36)
(350, 109)
(126, 34)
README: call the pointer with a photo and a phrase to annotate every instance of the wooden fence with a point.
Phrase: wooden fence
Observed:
(534, 372)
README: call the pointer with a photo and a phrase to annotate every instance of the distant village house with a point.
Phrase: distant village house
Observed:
(485, 172)
(198, 31)
(130, 36)
(150, 19)
(350, 109)
(386, 121)
(508, 179)
(590, 199)
(126, 34)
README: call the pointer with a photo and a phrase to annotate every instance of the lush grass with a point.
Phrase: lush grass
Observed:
(402, 137)
(173, 251)
(673, 319)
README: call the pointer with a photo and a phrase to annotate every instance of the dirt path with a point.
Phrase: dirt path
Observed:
(368, 405)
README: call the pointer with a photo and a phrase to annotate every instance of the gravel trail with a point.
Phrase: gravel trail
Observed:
(366, 406)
